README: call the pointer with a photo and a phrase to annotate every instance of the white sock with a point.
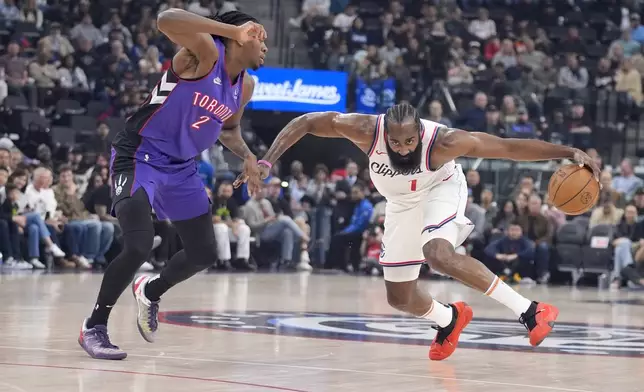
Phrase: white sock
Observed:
(439, 313)
(504, 294)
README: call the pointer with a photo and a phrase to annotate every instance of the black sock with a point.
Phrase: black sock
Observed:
(155, 288)
(99, 316)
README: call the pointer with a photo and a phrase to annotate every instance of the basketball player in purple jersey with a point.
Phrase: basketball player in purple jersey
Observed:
(200, 99)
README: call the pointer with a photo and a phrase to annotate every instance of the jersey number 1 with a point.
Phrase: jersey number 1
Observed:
(413, 185)
(202, 119)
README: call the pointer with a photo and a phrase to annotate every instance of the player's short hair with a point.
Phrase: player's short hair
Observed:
(398, 113)
(236, 18)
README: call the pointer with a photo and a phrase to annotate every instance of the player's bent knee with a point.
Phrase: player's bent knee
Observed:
(202, 254)
(439, 253)
(138, 244)
(399, 294)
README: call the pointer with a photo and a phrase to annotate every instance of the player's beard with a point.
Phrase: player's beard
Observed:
(407, 162)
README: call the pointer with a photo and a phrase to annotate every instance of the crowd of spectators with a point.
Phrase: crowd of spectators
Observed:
(59, 59)
(524, 71)
(105, 51)
(516, 68)
(38, 219)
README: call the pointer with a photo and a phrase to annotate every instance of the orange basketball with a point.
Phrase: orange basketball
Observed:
(573, 189)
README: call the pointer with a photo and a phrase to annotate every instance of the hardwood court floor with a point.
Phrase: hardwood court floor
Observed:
(292, 332)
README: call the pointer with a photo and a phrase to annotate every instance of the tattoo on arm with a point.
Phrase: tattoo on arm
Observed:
(455, 143)
(232, 139)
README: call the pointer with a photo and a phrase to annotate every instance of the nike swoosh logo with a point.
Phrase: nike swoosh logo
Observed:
(450, 176)
(380, 152)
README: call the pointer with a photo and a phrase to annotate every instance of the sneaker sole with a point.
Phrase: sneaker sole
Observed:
(144, 335)
(467, 318)
(111, 358)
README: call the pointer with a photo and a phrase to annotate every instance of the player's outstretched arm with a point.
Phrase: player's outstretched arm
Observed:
(454, 143)
(358, 128)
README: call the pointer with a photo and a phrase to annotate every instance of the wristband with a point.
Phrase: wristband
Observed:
(265, 163)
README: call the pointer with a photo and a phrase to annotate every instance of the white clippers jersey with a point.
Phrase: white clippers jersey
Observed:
(406, 189)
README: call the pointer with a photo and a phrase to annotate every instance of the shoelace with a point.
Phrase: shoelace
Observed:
(153, 311)
(442, 334)
(523, 320)
(104, 338)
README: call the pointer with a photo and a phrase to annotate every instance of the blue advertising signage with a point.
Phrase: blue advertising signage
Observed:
(299, 90)
(376, 96)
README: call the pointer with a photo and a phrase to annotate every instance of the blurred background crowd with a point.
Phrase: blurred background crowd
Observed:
(565, 71)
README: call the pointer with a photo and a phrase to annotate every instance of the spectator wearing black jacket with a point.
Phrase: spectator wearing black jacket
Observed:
(9, 230)
(474, 119)
(511, 256)
(350, 238)
(604, 76)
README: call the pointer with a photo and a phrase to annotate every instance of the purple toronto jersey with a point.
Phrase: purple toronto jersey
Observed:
(179, 119)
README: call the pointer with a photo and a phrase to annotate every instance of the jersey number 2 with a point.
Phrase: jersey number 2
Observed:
(202, 119)
(412, 185)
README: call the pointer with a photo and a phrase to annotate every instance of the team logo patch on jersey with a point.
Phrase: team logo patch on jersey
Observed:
(490, 334)
(122, 186)
(119, 183)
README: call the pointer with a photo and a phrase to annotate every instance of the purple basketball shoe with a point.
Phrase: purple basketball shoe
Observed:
(96, 342)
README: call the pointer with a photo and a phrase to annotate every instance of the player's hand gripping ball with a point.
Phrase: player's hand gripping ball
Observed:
(573, 189)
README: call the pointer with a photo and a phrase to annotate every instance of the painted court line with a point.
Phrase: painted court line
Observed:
(174, 376)
(311, 368)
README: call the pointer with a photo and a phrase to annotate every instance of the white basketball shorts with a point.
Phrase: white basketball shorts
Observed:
(407, 228)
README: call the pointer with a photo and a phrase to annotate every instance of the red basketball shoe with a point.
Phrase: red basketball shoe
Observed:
(446, 339)
(539, 320)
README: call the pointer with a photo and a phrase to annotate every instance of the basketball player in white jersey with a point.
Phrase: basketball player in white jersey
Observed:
(412, 165)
